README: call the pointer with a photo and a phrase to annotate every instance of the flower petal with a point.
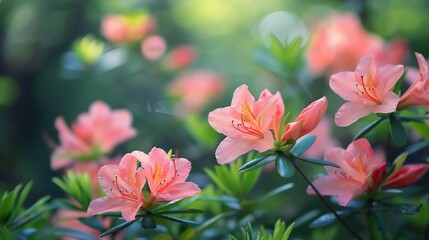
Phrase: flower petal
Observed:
(350, 112)
(388, 76)
(129, 209)
(406, 175)
(344, 84)
(178, 191)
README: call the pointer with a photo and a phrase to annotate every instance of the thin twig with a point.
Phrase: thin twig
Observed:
(341, 220)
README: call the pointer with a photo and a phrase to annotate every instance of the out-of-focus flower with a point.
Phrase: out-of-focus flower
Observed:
(246, 124)
(339, 44)
(153, 47)
(195, 89)
(127, 28)
(93, 135)
(88, 49)
(181, 57)
(368, 90)
(324, 140)
(69, 219)
(306, 121)
(123, 186)
(352, 178)
(418, 92)
(166, 177)
(361, 171)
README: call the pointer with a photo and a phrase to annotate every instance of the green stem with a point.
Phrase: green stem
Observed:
(340, 219)
(375, 224)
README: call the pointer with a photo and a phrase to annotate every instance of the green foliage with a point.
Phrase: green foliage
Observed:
(288, 54)
(280, 232)
(397, 131)
(77, 186)
(15, 220)
(233, 182)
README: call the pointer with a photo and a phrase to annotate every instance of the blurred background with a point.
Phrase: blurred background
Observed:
(57, 57)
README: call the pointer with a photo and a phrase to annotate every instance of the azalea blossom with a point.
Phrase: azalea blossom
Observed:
(93, 135)
(123, 186)
(166, 177)
(306, 121)
(246, 124)
(195, 89)
(127, 28)
(418, 92)
(360, 171)
(181, 56)
(367, 90)
(333, 45)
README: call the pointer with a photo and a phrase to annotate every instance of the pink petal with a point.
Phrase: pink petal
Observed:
(292, 131)
(344, 84)
(220, 120)
(390, 102)
(388, 76)
(350, 112)
(367, 66)
(129, 209)
(406, 175)
(106, 176)
(178, 191)
(311, 115)
(241, 95)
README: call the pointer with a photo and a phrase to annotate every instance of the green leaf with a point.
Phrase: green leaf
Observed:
(219, 183)
(288, 231)
(184, 211)
(31, 214)
(397, 131)
(398, 84)
(276, 191)
(21, 199)
(406, 209)
(119, 227)
(417, 147)
(284, 167)
(175, 219)
(303, 144)
(318, 162)
(148, 222)
(257, 162)
(329, 218)
(93, 223)
(399, 160)
(368, 128)
(376, 226)
(208, 223)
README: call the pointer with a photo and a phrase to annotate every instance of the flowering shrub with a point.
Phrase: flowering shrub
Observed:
(289, 165)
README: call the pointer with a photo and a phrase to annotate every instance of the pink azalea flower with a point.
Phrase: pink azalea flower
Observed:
(166, 177)
(195, 89)
(181, 57)
(367, 90)
(353, 177)
(324, 140)
(418, 92)
(279, 111)
(123, 186)
(125, 29)
(360, 171)
(93, 135)
(246, 124)
(153, 47)
(307, 120)
(333, 45)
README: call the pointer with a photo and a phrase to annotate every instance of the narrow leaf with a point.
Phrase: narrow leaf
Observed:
(72, 233)
(184, 211)
(318, 161)
(399, 161)
(256, 163)
(119, 227)
(397, 131)
(328, 218)
(175, 219)
(368, 128)
(277, 191)
(93, 223)
(303, 144)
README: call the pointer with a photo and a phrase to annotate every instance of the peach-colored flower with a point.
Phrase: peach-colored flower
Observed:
(153, 47)
(195, 89)
(353, 177)
(246, 124)
(324, 140)
(279, 111)
(306, 121)
(367, 90)
(334, 45)
(166, 177)
(127, 28)
(93, 135)
(418, 92)
(123, 186)
(360, 171)
(181, 56)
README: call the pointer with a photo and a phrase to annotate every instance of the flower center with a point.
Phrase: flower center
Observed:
(160, 177)
(124, 194)
(247, 120)
(366, 89)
